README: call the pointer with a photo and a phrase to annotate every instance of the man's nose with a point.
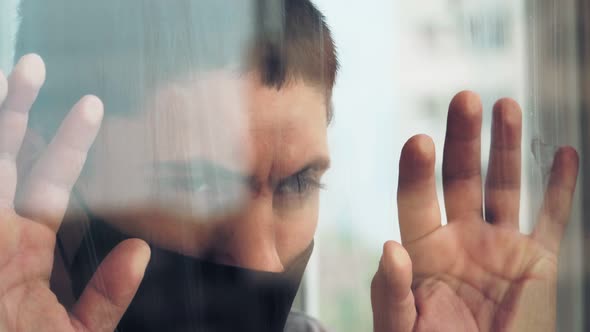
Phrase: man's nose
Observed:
(248, 240)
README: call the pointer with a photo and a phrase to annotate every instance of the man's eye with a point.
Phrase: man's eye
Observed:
(298, 184)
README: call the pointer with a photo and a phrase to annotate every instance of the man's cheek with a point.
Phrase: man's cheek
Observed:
(295, 231)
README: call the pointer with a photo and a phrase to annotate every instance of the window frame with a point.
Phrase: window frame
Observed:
(583, 29)
(556, 49)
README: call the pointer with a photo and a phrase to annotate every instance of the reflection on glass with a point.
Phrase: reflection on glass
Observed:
(212, 150)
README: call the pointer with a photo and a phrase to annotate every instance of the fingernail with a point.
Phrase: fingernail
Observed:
(32, 70)
(93, 109)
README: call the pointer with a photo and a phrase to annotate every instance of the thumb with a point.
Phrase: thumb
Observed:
(112, 287)
(391, 293)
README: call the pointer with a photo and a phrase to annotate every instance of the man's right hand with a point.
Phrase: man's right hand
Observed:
(28, 233)
(478, 272)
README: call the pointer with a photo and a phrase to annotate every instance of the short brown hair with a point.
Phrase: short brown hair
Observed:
(299, 47)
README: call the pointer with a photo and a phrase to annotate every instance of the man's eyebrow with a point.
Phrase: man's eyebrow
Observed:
(200, 167)
(206, 168)
(318, 164)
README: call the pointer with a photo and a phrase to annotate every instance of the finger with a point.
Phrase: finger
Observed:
(393, 304)
(558, 199)
(462, 158)
(502, 192)
(16, 97)
(110, 291)
(47, 191)
(24, 83)
(418, 209)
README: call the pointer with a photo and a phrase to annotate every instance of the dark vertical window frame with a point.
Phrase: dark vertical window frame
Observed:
(558, 117)
(583, 11)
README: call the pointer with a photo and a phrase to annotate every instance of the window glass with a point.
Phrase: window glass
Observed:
(244, 166)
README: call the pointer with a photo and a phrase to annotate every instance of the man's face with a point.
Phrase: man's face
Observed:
(217, 166)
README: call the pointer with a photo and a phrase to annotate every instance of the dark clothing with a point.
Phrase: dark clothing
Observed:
(182, 293)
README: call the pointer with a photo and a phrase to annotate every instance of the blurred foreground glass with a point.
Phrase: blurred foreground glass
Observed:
(212, 150)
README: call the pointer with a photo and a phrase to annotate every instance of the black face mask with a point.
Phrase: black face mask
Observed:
(181, 293)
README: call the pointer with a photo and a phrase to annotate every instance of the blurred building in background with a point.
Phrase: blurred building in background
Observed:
(453, 45)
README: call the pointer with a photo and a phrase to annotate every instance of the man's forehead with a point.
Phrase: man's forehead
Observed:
(220, 87)
(222, 110)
